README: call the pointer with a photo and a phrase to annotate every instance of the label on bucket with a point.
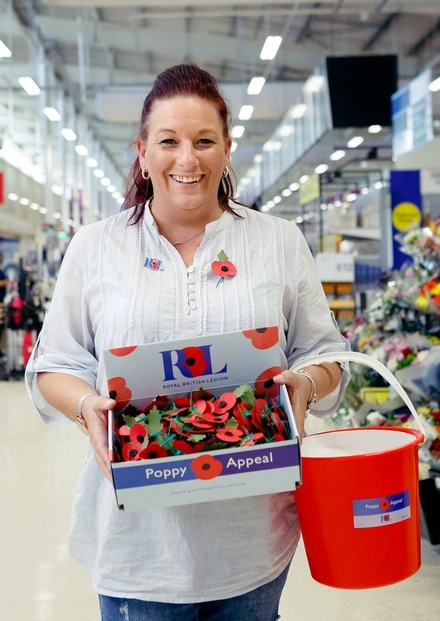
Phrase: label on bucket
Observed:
(381, 511)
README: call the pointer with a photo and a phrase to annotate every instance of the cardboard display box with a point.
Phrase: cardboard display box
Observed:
(217, 363)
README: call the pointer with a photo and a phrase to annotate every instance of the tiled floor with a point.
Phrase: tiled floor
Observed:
(40, 582)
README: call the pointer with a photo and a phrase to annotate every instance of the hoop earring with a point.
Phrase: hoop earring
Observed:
(145, 175)
(225, 173)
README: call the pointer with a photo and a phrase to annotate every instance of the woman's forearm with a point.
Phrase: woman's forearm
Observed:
(63, 391)
(326, 377)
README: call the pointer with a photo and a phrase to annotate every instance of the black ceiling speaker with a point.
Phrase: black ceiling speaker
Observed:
(360, 89)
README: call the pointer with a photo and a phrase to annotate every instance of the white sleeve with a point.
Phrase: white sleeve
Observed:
(66, 341)
(311, 326)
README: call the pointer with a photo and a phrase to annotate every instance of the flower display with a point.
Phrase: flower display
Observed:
(200, 421)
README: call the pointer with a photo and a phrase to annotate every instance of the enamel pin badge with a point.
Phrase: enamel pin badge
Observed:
(153, 264)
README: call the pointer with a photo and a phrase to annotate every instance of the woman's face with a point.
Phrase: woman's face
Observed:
(185, 153)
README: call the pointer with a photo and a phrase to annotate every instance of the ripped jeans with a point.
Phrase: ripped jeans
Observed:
(258, 605)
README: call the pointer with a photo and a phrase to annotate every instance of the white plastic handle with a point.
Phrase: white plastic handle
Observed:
(369, 361)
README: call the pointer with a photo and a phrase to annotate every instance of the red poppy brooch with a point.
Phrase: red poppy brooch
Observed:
(200, 421)
(223, 267)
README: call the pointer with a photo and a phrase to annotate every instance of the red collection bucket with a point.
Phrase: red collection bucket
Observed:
(358, 504)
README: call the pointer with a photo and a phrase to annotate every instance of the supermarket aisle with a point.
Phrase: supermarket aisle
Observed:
(40, 582)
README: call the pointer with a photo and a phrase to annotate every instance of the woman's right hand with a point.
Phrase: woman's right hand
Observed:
(95, 413)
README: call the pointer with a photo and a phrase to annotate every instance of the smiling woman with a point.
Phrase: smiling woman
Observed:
(182, 259)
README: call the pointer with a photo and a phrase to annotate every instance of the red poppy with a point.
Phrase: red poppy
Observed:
(201, 424)
(130, 452)
(153, 451)
(264, 383)
(223, 267)
(195, 361)
(138, 433)
(122, 351)
(180, 446)
(253, 439)
(216, 418)
(225, 402)
(119, 391)
(123, 431)
(241, 415)
(384, 504)
(182, 402)
(229, 434)
(262, 338)
(210, 407)
(206, 467)
(199, 405)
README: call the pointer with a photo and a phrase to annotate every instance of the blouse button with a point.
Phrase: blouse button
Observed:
(192, 306)
(190, 269)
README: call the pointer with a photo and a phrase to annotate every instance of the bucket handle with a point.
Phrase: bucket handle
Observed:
(369, 361)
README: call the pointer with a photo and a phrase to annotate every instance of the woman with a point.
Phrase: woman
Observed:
(211, 561)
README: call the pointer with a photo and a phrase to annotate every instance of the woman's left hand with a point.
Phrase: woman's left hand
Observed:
(298, 387)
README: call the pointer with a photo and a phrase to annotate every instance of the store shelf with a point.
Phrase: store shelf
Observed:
(358, 233)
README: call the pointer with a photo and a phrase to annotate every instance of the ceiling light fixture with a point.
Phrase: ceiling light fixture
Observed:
(245, 112)
(322, 168)
(105, 181)
(81, 150)
(5, 52)
(29, 86)
(294, 187)
(52, 114)
(298, 111)
(99, 173)
(234, 145)
(314, 83)
(92, 162)
(24, 201)
(237, 131)
(256, 85)
(286, 130)
(68, 134)
(12, 196)
(34, 206)
(337, 155)
(435, 85)
(356, 141)
(258, 158)
(375, 129)
(286, 192)
(304, 178)
(270, 47)
(277, 199)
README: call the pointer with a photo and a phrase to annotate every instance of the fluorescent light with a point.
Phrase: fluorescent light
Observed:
(255, 85)
(276, 145)
(338, 203)
(286, 130)
(116, 195)
(314, 83)
(57, 189)
(378, 185)
(234, 145)
(258, 158)
(5, 52)
(294, 187)
(304, 178)
(245, 112)
(91, 162)
(99, 173)
(29, 86)
(105, 181)
(12, 196)
(351, 197)
(364, 164)
(81, 150)
(277, 199)
(43, 210)
(299, 220)
(356, 141)
(322, 168)
(375, 129)
(337, 155)
(245, 180)
(270, 48)
(270, 204)
(286, 192)
(435, 85)
(237, 131)
(52, 114)
(111, 188)
(68, 134)
(24, 201)
(264, 208)
(57, 215)
(120, 201)
(34, 206)
(299, 111)
(365, 191)
(323, 206)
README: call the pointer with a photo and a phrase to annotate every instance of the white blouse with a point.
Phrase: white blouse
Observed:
(105, 297)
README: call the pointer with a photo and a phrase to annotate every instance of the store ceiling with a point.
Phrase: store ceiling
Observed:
(106, 54)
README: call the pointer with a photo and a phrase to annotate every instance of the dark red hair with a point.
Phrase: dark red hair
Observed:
(180, 80)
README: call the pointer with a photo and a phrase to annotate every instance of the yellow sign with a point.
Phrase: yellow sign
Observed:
(406, 216)
(310, 190)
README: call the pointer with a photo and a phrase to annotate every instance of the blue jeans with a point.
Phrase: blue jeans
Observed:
(258, 605)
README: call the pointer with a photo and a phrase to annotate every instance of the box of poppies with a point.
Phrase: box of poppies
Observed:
(200, 420)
